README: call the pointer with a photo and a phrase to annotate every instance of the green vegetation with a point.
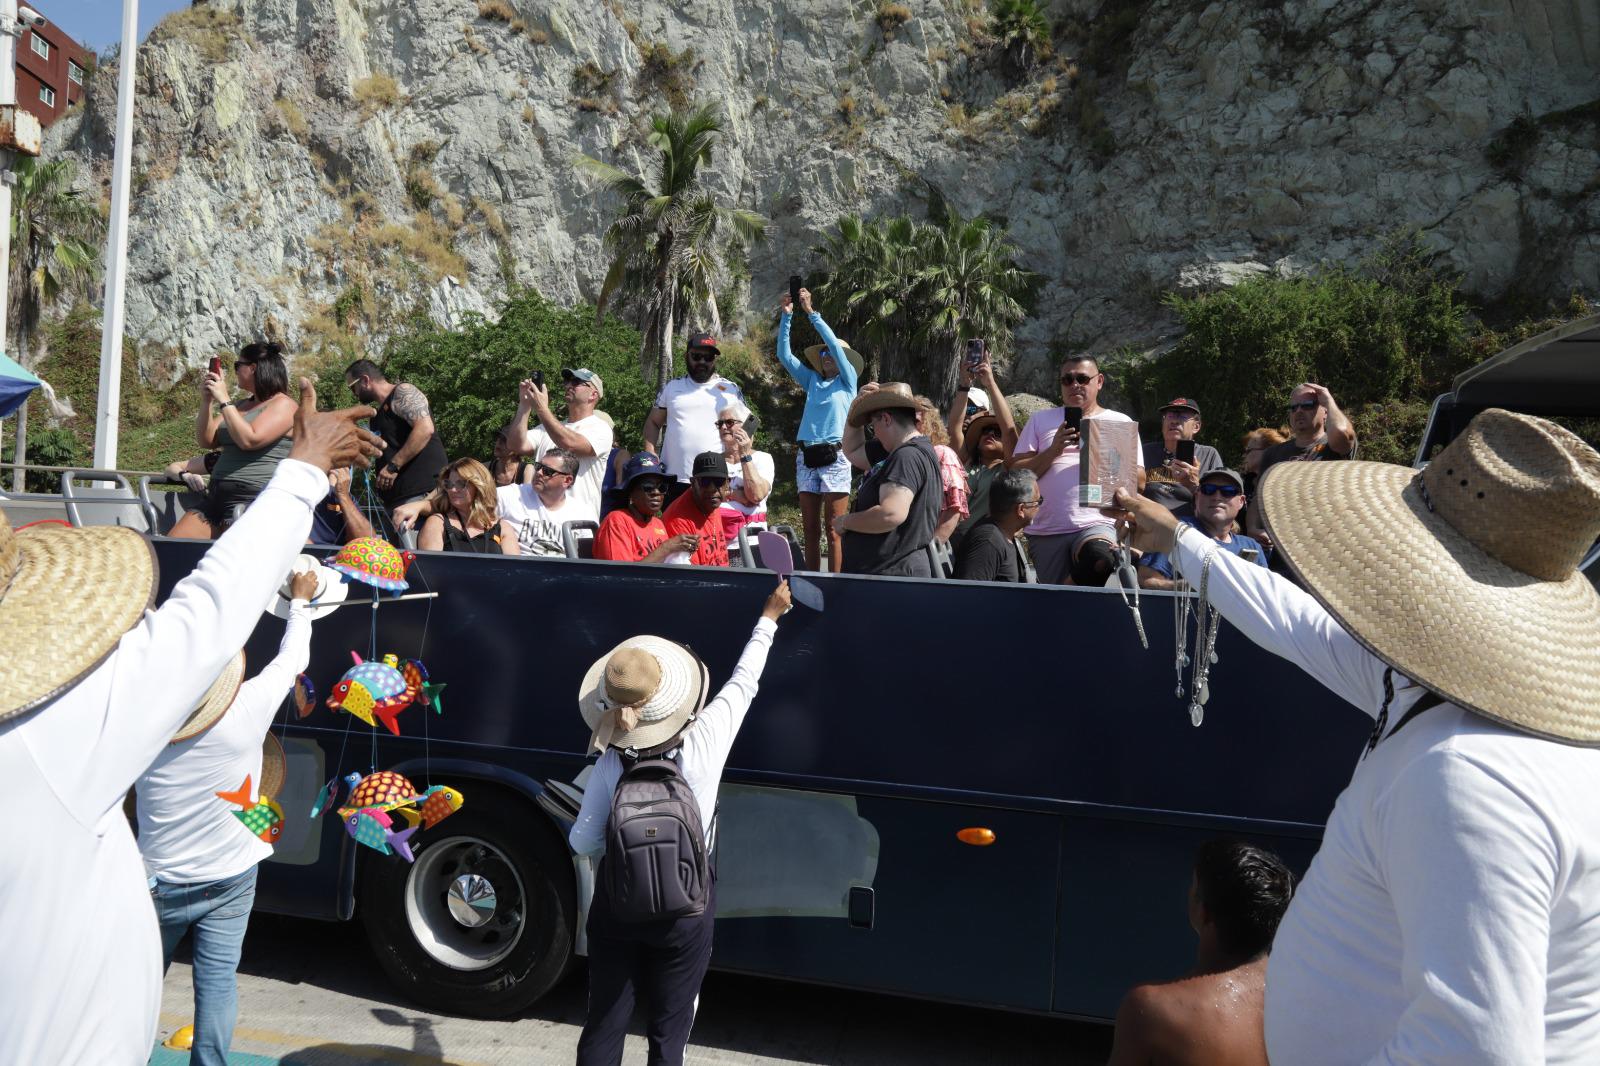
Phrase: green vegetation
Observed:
(671, 74)
(1022, 29)
(670, 240)
(912, 292)
(210, 30)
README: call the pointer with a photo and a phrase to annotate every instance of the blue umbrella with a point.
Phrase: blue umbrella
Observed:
(15, 385)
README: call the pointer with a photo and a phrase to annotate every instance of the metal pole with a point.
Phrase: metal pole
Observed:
(106, 415)
(8, 95)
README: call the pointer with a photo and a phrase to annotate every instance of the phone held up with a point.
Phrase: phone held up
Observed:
(1074, 417)
(794, 291)
(974, 354)
(1184, 452)
(216, 364)
(537, 377)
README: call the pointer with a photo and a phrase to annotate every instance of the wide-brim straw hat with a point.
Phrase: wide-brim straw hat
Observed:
(332, 589)
(890, 396)
(815, 352)
(274, 767)
(1463, 577)
(215, 703)
(663, 680)
(66, 598)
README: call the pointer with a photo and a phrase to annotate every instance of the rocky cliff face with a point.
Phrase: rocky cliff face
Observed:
(331, 164)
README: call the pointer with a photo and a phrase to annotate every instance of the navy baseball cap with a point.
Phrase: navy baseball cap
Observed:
(641, 465)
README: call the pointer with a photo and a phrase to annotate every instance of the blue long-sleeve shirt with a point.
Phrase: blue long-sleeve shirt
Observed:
(828, 400)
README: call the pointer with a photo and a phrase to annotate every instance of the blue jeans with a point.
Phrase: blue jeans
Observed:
(218, 912)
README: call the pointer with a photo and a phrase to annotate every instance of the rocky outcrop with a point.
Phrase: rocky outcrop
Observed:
(327, 164)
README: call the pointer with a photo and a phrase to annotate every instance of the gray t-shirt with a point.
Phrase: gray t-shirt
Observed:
(1162, 486)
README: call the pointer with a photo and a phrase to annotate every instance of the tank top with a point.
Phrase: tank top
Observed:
(456, 539)
(243, 466)
(417, 477)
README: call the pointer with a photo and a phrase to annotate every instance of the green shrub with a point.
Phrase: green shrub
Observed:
(1022, 29)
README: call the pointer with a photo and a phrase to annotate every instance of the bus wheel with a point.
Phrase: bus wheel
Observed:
(482, 922)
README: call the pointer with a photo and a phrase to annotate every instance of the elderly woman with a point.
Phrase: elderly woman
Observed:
(252, 434)
(464, 515)
(750, 471)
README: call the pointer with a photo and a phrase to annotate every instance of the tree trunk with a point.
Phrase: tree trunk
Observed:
(942, 375)
(664, 354)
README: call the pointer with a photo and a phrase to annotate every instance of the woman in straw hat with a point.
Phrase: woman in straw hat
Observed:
(647, 699)
(92, 688)
(201, 859)
(829, 375)
(1453, 912)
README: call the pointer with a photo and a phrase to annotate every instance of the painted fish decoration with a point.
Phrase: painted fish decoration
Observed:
(263, 818)
(326, 798)
(379, 691)
(375, 829)
(439, 803)
(304, 694)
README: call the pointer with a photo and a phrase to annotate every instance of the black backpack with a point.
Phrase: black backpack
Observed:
(656, 866)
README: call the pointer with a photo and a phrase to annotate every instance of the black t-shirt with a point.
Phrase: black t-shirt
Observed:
(1290, 452)
(902, 551)
(979, 480)
(1161, 486)
(988, 555)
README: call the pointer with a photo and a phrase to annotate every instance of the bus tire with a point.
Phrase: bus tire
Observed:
(482, 922)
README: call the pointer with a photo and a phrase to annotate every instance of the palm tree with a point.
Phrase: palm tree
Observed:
(669, 240)
(1022, 29)
(55, 234)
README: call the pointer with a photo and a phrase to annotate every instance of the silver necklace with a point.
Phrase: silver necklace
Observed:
(1207, 621)
(1128, 585)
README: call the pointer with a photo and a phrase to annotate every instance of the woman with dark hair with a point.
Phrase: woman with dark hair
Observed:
(507, 467)
(253, 435)
(465, 514)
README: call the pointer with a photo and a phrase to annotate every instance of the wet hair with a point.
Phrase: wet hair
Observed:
(364, 368)
(1009, 488)
(1245, 890)
(272, 373)
(567, 459)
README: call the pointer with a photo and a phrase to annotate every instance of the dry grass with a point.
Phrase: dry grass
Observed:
(209, 30)
(498, 10)
(891, 17)
(376, 92)
(294, 119)
(473, 41)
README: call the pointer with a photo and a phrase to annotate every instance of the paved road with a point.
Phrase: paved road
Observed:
(310, 995)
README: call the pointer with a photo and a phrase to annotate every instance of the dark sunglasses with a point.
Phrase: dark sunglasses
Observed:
(1077, 379)
(702, 356)
(240, 364)
(726, 422)
(453, 485)
(711, 482)
(654, 488)
(1303, 405)
(550, 471)
(989, 431)
(1228, 491)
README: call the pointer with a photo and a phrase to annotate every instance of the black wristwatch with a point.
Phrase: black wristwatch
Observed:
(228, 403)
(744, 458)
(391, 468)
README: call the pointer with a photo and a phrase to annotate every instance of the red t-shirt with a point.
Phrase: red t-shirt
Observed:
(624, 537)
(684, 516)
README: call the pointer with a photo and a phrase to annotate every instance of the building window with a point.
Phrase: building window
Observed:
(47, 95)
(74, 73)
(40, 45)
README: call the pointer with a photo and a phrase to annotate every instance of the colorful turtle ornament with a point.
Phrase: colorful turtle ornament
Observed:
(375, 829)
(304, 694)
(326, 798)
(382, 690)
(439, 803)
(374, 561)
(263, 818)
(384, 790)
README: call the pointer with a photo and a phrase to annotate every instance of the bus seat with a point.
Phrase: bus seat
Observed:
(579, 547)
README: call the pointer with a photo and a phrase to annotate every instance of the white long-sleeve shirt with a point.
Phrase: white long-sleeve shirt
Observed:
(704, 752)
(80, 980)
(1453, 912)
(186, 834)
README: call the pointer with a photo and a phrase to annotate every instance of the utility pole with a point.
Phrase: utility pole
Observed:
(110, 403)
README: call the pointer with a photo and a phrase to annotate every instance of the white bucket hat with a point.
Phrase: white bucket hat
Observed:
(642, 694)
(332, 588)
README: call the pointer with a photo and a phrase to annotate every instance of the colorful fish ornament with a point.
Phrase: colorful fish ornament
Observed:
(304, 694)
(375, 829)
(374, 561)
(263, 818)
(439, 803)
(326, 798)
(382, 690)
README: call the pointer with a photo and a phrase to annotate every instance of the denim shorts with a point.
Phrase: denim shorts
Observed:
(835, 477)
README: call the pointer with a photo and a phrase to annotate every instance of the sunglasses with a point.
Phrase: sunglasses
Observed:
(1228, 491)
(701, 356)
(456, 486)
(989, 431)
(1034, 505)
(1303, 405)
(549, 471)
(653, 488)
(727, 423)
(1077, 379)
(240, 364)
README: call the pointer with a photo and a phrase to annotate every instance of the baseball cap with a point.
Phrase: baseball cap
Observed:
(704, 340)
(1224, 472)
(641, 464)
(587, 376)
(710, 464)
(1180, 403)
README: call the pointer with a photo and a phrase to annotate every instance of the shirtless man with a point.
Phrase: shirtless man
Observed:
(1213, 1016)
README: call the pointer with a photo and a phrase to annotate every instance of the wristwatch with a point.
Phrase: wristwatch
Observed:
(744, 458)
(391, 468)
(228, 403)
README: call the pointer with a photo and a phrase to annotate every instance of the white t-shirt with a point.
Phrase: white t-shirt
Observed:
(82, 979)
(705, 750)
(1058, 488)
(691, 420)
(765, 469)
(538, 526)
(186, 834)
(591, 468)
(1452, 913)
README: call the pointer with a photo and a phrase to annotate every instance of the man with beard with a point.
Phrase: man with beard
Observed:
(683, 422)
(412, 452)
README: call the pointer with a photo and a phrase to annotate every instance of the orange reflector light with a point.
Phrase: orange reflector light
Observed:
(976, 836)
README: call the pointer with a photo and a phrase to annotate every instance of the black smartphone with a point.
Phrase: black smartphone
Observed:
(1185, 451)
(974, 353)
(1074, 417)
(794, 291)
(537, 377)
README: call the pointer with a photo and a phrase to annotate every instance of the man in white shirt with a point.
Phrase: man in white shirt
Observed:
(92, 688)
(1069, 543)
(1452, 914)
(201, 859)
(538, 511)
(683, 423)
(585, 432)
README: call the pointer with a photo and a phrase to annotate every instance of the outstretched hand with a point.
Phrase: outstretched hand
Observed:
(1150, 526)
(779, 602)
(328, 439)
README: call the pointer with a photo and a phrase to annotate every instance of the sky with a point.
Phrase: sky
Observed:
(98, 23)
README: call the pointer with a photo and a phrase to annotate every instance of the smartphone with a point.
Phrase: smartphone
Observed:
(974, 353)
(537, 377)
(216, 364)
(1248, 554)
(794, 291)
(1074, 417)
(1185, 452)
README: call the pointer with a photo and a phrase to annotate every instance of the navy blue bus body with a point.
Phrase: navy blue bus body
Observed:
(906, 712)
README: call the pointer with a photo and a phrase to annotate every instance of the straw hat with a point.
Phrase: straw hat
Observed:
(894, 394)
(274, 765)
(815, 352)
(1462, 577)
(215, 703)
(332, 588)
(66, 598)
(642, 694)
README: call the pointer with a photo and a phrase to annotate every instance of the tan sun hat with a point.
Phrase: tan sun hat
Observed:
(642, 694)
(815, 352)
(274, 765)
(1463, 577)
(215, 703)
(66, 598)
(894, 394)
